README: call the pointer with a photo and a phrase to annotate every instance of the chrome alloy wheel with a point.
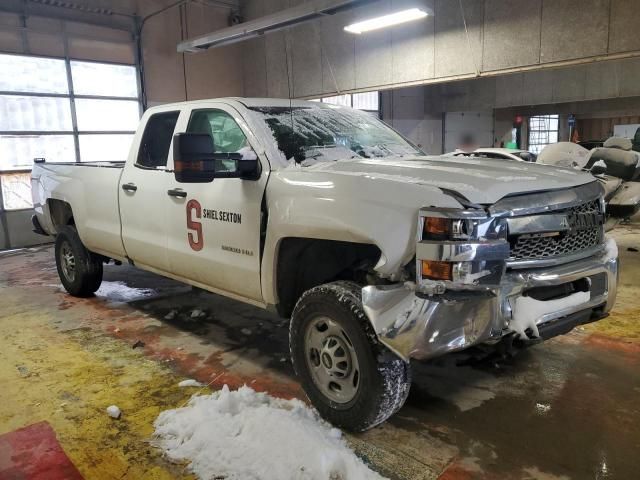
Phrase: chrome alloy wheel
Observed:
(332, 360)
(68, 262)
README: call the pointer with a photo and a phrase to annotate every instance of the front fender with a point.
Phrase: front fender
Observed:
(362, 209)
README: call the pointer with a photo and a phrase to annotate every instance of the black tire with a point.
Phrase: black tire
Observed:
(384, 379)
(86, 276)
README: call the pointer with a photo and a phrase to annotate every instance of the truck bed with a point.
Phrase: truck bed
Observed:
(92, 188)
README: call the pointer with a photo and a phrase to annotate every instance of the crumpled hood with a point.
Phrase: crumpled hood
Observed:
(480, 180)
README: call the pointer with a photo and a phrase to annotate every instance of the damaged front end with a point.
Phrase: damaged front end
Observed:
(534, 266)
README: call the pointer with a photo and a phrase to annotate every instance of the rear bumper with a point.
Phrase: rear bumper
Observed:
(420, 326)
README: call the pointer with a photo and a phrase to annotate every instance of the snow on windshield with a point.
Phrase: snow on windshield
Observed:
(307, 135)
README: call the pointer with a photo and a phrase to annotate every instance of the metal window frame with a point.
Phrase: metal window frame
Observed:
(539, 131)
(71, 96)
(378, 112)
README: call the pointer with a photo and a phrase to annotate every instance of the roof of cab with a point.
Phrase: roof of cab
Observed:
(249, 102)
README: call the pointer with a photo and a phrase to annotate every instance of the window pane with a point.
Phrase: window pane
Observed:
(16, 190)
(103, 79)
(344, 100)
(366, 101)
(227, 135)
(106, 115)
(543, 130)
(156, 140)
(104, 148)
(34, 113)
(19, 151)
(32, 74)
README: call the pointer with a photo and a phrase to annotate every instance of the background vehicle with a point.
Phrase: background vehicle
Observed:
(378, 253)
(504, 153)
(589, 144)
(615, 165)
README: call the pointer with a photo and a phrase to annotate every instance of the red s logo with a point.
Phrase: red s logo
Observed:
(194, 205)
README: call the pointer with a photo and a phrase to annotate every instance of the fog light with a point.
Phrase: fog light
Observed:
(434, 270)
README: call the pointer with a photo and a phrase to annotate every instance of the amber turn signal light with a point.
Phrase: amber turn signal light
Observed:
(434, 270)
(436, 227)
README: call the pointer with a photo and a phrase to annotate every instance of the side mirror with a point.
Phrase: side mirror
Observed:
(195, 160)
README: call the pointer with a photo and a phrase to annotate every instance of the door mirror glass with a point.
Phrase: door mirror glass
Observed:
(196, 160)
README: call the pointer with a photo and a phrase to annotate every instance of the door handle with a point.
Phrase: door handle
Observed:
(177, 192)
(129, 187)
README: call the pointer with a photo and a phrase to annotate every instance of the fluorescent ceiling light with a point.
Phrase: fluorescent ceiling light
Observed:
(386, 20)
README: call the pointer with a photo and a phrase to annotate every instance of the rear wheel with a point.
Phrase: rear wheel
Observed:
(80, 271)
(351, 379)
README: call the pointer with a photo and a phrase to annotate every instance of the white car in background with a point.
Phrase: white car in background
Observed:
(506, 153)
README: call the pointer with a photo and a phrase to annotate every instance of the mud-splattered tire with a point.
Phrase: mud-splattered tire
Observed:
(80, 271)
(329, 337)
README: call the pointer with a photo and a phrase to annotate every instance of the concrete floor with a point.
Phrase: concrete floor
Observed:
(566, 409)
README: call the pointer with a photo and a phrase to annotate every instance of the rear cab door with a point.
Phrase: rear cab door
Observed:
(143, 190)
(215, 229)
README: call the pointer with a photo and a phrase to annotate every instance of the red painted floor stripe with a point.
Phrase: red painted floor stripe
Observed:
(34, 453)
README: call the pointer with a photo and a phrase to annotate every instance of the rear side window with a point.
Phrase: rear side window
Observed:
(156, 140)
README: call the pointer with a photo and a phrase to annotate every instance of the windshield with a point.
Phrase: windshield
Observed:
(307, 135)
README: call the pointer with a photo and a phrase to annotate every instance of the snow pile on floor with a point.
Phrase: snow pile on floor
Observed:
(120, 292)
(248, 435)
(190, 383)
(528, 310)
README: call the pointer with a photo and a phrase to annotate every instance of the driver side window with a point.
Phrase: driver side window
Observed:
(227, 135)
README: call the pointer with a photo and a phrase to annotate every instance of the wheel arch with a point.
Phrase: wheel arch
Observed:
(60, 212)
(303, 263)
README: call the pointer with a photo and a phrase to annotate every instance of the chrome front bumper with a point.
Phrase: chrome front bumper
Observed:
(425, 326)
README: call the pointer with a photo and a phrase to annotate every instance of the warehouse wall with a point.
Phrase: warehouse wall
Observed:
(598, 87)
(503, 35)
(405, 110)
(170, 76)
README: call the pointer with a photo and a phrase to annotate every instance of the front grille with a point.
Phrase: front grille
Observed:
(544, 246)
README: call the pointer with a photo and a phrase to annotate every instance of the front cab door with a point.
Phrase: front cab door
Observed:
(215, 227)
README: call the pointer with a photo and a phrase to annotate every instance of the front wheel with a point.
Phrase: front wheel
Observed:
(349, 376)
(80, 271)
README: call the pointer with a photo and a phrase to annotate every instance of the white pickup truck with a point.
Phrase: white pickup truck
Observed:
(378, 253)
